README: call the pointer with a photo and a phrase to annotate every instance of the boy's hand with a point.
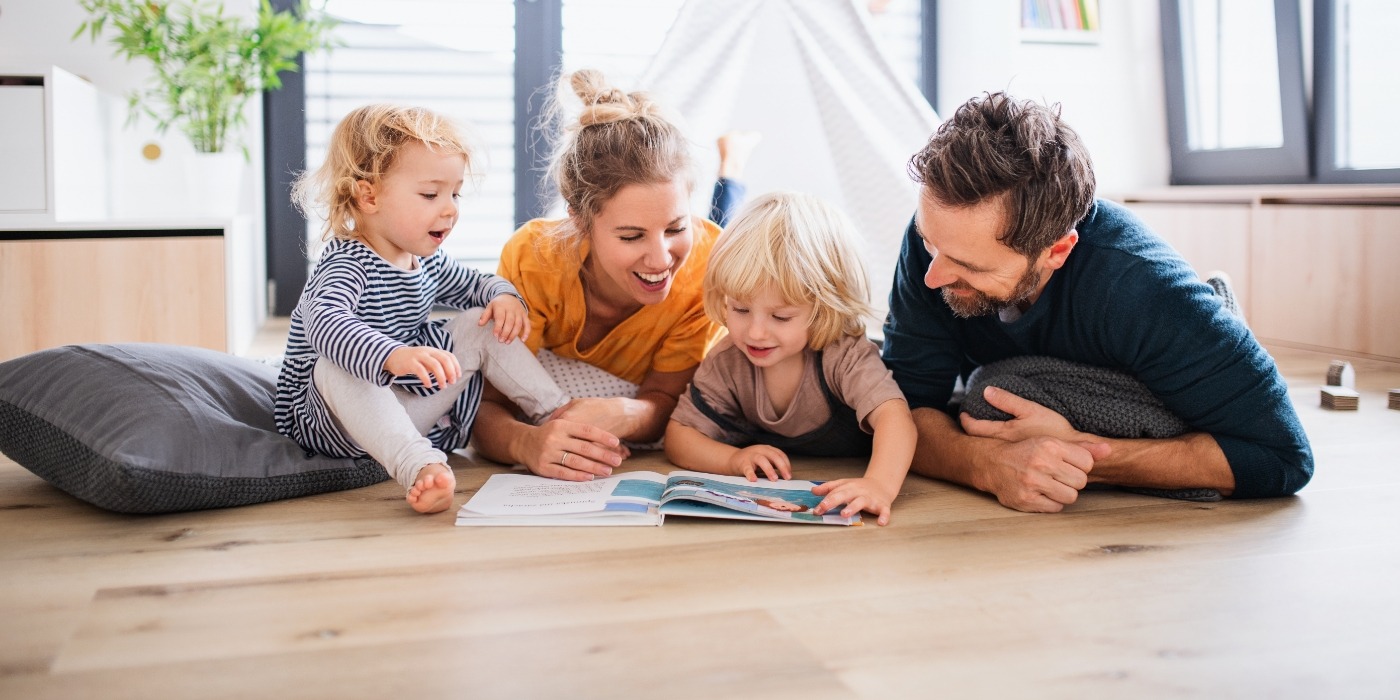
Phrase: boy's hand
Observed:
(511, 319)
(425, 363)
(860, 494)
(772, 461)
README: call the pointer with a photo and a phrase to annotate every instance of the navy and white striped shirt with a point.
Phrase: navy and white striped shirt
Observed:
(355, 310)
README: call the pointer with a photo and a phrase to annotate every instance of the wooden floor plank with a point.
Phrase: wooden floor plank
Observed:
(743, 654)
(1269, 626)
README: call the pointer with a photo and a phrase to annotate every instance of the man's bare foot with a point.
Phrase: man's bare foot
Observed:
(432, 492)
(734, 150)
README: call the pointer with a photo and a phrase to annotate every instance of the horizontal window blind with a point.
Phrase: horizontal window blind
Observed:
(453, 56)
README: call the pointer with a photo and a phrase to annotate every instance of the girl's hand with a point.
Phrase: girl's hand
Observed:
(561, 449)
(512, 321)
(425, 363)
(615, 414)
(863, 494)
(772, 461)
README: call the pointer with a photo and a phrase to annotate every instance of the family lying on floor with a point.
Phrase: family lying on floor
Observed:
(1008, 256)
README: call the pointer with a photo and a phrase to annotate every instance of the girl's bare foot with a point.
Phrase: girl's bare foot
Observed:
(432, 492)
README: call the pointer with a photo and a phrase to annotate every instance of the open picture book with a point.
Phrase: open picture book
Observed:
(642, 498)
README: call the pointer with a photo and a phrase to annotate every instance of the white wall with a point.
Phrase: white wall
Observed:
(1111, 92)
(34, 33)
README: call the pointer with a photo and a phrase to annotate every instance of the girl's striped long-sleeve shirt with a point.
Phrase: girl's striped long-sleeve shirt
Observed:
(355, 310)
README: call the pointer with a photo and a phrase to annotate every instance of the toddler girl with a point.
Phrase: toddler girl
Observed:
(796, 373)
(366, 371)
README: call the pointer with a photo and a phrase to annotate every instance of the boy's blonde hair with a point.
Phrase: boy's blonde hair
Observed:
(618, 139)
(803, 247)
(363, 147)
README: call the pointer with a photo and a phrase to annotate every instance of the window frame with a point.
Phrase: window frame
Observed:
(1289, 163)
(1325, 105)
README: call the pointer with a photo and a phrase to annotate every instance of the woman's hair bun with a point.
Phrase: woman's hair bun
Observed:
(603, 103)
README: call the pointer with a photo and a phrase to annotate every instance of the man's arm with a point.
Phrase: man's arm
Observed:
(1189, 461)
(1208, 369)
(1192, 460)
(1037, 474)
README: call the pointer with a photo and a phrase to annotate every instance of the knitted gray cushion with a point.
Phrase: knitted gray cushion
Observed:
(1095, 400)
(149, 428)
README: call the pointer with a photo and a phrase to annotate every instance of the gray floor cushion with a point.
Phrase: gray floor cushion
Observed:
(149, 428)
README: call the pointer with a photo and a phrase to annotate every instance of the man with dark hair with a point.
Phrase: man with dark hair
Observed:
(1010, 255)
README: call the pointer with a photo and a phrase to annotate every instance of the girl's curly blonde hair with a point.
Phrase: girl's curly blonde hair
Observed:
(363, 147)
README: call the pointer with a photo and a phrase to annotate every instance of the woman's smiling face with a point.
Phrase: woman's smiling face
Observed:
(639, 238)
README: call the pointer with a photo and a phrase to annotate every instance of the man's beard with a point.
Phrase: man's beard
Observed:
(979, 304)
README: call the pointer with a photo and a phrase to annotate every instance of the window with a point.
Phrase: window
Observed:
(1357, 90)
(453, 56)
(1236, 98)
(1235, 106)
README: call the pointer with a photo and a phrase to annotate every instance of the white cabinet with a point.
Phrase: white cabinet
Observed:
(54, 143)
(98, 242)
(23, 187)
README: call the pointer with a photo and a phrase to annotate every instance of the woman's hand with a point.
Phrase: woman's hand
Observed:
(571, 451)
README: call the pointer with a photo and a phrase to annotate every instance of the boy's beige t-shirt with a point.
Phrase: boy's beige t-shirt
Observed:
(733, 387)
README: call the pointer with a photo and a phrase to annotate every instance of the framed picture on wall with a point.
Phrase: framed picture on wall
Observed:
(1060, 21)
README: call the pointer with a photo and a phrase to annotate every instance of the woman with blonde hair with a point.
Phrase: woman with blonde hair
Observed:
(614, 286)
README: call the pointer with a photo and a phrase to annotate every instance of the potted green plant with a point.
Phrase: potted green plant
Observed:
(207, 64)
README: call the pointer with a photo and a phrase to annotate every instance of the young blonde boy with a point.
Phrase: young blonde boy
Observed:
(796, 373)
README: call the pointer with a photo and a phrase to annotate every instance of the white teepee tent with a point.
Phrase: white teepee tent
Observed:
(837, 119)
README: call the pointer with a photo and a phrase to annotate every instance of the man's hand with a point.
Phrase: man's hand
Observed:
(1039, 474)
(1028, 419)
(1045, 461)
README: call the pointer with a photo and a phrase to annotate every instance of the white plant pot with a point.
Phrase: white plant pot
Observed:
(214, 184)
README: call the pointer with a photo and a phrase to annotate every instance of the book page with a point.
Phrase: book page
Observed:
(781, 500)
(527, 494)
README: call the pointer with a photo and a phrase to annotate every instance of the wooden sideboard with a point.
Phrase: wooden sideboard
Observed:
(1314, 266)
(126, 282)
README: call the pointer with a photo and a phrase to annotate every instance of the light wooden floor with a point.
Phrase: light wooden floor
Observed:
(352, 595)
